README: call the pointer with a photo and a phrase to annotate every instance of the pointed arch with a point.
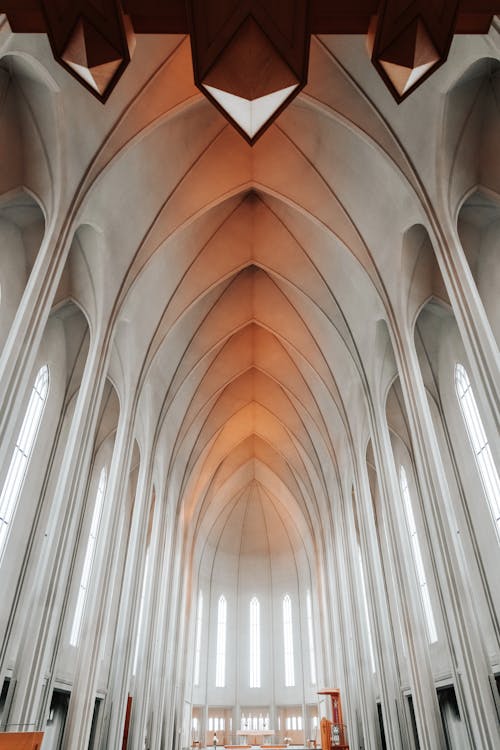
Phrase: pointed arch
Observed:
(479, 443)
(21, 455)
(254, 643)
(89, 558)
(220, 664)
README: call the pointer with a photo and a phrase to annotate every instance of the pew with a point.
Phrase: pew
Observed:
(21, 740)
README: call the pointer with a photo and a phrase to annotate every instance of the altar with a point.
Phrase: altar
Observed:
(255, 736)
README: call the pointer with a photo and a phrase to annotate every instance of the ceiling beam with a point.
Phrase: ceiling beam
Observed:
(326, 17)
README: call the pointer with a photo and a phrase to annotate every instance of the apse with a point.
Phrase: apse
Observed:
(256, 644)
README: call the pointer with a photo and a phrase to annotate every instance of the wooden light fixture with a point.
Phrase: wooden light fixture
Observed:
(408, 41)
(250, 58)
(94, 42)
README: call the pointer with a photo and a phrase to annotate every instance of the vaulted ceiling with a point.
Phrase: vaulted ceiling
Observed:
(240, 287)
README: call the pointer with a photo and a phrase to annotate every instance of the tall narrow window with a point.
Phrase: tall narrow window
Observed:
(310, 632)
(254, 643)
(288, 641)
(220, 664)
(365, 607)
(89, 558)
(479, 442)
(22, 453)
(417, 557)
(141, 613)
(197, 653)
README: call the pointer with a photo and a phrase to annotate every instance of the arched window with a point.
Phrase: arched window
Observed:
(197, 653)
(479, 442)
(220, 663)
(254, 643)
(89, 558)
(365, 607)
(417, 557)
(22, 453)
(310, 632)
(288, 641)
(141, 613)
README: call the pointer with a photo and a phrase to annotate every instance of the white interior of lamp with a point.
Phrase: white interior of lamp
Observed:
(416, 74)
(251, 115)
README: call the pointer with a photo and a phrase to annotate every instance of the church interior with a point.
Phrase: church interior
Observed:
(249, 400)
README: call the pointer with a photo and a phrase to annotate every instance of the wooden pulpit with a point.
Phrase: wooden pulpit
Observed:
(333, 733)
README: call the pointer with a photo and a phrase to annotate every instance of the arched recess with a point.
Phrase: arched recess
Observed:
(124, 509)
(471, 135)
(64, 349)
(84, 277)
(390, 586)
(22, 226)
(419, 265)
(439, 349)
(29, 130)
(253, 547)
(479, 232)
(402, 449)
(102, 456)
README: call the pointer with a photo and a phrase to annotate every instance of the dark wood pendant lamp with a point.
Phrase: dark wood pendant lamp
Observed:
(409, 40)
(250, 57)
(94, 41)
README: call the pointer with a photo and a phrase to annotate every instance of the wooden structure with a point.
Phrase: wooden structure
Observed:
(333, 733)
(21, 740)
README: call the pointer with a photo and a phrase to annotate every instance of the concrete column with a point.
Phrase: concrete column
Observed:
(18, 356)
(79, 719)
(43, 620)
(167, 633)
(365, 686)
(388, 673)
(472, 321)
(427, 713)
(126, 630)
(462, 630)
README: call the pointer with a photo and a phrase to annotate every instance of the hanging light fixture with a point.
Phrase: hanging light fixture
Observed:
(94, 43)
(250, 58)
(408, 41)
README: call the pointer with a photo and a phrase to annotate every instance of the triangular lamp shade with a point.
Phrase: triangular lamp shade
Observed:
(250, 116)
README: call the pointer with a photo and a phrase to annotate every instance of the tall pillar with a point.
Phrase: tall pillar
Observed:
(427, 712)
(79, 719)
(43, 619)
(126, 631)
(470, 663)
(366, 685)
(128, 622)
(19, 353)
(472, 321)
(385, 649)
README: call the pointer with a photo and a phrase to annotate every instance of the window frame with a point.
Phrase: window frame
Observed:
(22, 454)
(88, 561)
(479, 443)
(289, 658)
(416, 553)
(220, 654)
(255, 655)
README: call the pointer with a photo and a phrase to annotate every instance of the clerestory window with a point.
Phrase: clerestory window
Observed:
(197, 653)
(89, 558)
(288, 641)
(23, 449)
(254, 643)
(417, 557)
(479, 443)
(220, 662)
